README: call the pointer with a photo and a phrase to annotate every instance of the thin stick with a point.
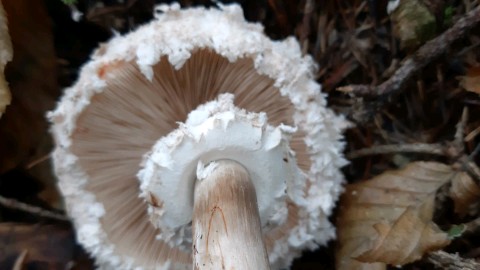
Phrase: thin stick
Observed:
(471, 168)
(472, 226)
(20, 261)
(38, 161)
(305, 26)
(444, 260)
(458, 140)
(422, 148)
(428, 52)
(14, 204)
(226, 224)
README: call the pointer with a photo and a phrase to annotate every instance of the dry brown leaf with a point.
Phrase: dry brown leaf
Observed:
(465, 193)
(50, 246)
(413, 235)
(5, 56)
(412, 23)
(32, 78)
(388, 218)
(471, 81)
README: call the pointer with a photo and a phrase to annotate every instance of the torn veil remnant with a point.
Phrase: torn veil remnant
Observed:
(160, 114)
(6, 55)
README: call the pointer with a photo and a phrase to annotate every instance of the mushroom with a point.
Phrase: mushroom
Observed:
(196, 140)
(6, 55)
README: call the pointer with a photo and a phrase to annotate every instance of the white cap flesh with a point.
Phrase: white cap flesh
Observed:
(218, 130)
(135, 91)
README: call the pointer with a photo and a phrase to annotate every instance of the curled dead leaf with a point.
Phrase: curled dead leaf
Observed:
(6, 55)
(411, 233)
(413, 23)
(465, 194)
(387, 219)
(471, 81)
(32, 80)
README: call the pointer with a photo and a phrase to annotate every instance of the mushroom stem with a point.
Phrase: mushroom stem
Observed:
(226, 225)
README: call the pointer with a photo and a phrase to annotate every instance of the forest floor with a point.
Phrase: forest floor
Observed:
(409, 82)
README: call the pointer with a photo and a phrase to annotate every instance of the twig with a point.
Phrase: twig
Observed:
(305, 26)
(425, 148)
(456, 147)
(19, 262)
(422, 148)
(459, 147)
(453, 149)
(423, 56)
(460, 133)
(470, 167)
(38, 161)
(472, 226)
(475, 152)
(470, 136)
(444, 260)
(14, 204)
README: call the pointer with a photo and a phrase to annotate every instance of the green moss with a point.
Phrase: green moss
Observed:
(413, 23)
(69, 2)
(448, 16)
(456, 231)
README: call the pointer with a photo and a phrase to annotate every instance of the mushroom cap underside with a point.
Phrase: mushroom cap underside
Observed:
(135, 91)
(217, 130)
